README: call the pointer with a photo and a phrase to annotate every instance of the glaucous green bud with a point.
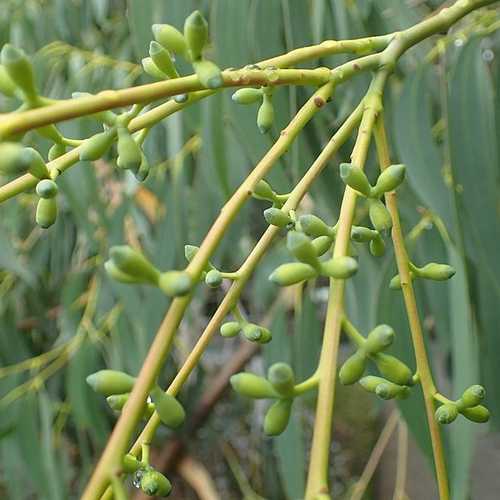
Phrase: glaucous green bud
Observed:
(153, 483)
(108, 382)
(256, 333)
(170, 38)
(389, 180)
(130, 463)
(196, 34)
(118, 275)
(129, 152)
(436, 272)
(322, 244)
(472, 396)
(7, 86)
(393, 369)
(46, 212)
(96, 146)
(371, 382)
(162, 59)
(355, 178)
(133, 263)
(277, 417)
(208, 73)
(151, 69)
(144, 168)
(252, 386)
(247, 96)
(169, 410)
(36, 166)
(56, 151)
(339, 267)
(377, 246)
(181, 98)
(117, 401)
(276, 217)
(18, 68)
(230, 329)
(213, 278)
(301, 247)
(389, 390)
(313, 226)
(291, 273)
(379, 339)
(263, 191)
(479, 414)
(353, 368)
(265, 115)
(46, 188)
(282, 378)
(12, 160)
(190, 251)
(361, 234)
(395, 283)
(379, 215)
(175, 283)
(446, 413)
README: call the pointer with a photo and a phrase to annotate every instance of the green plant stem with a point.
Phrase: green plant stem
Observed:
(422, 362)
(352, 332)
(246, 270)
(317, 479)
(160, 347)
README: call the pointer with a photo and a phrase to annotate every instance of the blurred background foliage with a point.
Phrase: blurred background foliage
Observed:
(62, 318)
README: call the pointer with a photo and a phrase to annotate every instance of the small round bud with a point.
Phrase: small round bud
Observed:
(155, 484)
(393, 369)
(265, 115)
(213, 278)
(12, 160)
(190, 251)
(361, 234)
(379, 339)
(339, 267)
(247, 96)
(208, 73)
(171, 38)
(151, 69)
(436, 272)
(129, 152)
(379, 215)
(256, 333)
(118, 275)
(355, 178)
(314, 226)
(371, 382)
(282, 378)
(19, 68)
(169, 410)
(472, 396)
(388, 390)
(162, 59)
(36, 165)
(175, 283)
(46, 212)
(108, 382)
(196, 34)
(263, 191)
(479, 414)
(181, 98)
(276, 217)
(291, 273)
(301, 247)
(252, 386)
(353, 368)
(96, 146)
(133, 263)
(377, 247)
(230, 329)
(130, 463)
(389, 180)
(277, 417)
(46, 188)
(446, 413)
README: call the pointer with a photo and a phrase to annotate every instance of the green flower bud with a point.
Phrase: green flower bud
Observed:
(263, 191)
(162, 59)
(171, 38)
(12, 160)
(181, 98)
(353, 368)
(377, 247)
(169, 410)
(393, 369)
(339, 267)
(134, 264)
(252, 386)
(301, 247)
(389, 390)
(144, 168)
(213, 278)
(355, 178)
(436, 272)
(208, 73)
(56, 151)
(256, 333)
(314, 226)
(277, 417)
(361, 234)
(117, 401)
(130, 463)
(291, 273)
(18, 68)
(282, 378)
(196, 34)
(151, 69)
(379, 339)
(175, 283)
(190, 251)
(472, 396)
(153, 483)
(389, 180)
(395, 283)
(230, 329)
(46, 188)
(247, 96)
(265, 115)
(446, 413)
(322, 244)
(7, 86)
(371, 382)
(36, 165)
(96, 146)
(276, 217)
(479, 414)
(108, 382)
(379, 215)
(46, 212)
(129, 152)
(118, 275)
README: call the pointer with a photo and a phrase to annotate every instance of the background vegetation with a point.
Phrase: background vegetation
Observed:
(63, 318)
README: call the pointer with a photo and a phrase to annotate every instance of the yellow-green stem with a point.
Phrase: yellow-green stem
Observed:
(421, 359)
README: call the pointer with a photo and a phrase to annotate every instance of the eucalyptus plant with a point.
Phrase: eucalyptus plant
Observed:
(318, 249)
